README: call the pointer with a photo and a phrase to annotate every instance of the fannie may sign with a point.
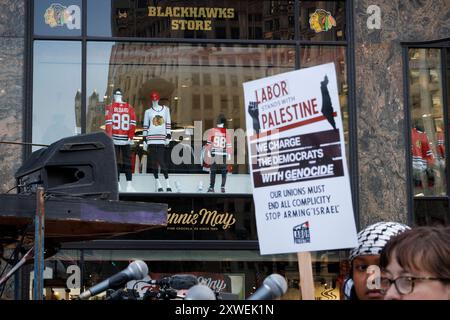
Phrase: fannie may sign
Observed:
(298, 167)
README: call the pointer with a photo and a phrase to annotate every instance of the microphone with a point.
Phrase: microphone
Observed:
(177, 281)
(135, 271)
(274, 286)
(200, 292)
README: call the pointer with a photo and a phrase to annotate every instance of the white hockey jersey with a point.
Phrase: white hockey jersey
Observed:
(157, 125)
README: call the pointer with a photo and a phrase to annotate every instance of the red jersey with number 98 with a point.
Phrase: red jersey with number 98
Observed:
(120, 122)
(219, 143)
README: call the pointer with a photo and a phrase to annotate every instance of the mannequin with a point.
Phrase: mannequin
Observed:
(422, 158)
(157, 135)
(120, 123)
(219, 150)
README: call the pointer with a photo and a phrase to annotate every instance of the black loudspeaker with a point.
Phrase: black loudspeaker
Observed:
(83, 165)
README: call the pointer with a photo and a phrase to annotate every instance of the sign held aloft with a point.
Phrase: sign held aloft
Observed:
(297, 162)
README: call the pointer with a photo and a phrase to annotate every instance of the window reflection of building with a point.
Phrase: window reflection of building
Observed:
(252, 20)
(96, 113)
(78, 111)
(193, 92)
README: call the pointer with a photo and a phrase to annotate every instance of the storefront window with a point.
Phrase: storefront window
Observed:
(57, 18)
(197, 93)
(199, 19)
(56, 90)
(431, 211)
(322, 20)
(233, 273)
(62, 277)
(427, 123)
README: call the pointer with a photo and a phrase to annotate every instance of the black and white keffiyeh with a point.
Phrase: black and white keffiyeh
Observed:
(373, 238)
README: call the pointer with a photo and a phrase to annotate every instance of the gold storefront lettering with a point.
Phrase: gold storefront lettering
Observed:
(191, 12)
(213, 218)
(207, 217)
(182, 218)
(191, 25)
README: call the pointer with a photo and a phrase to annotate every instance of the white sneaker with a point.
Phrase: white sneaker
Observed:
(130, 187)
(178, 186)
(158, 186)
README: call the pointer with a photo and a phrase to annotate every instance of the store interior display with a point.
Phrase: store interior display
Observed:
(157, 135)
(120, 125)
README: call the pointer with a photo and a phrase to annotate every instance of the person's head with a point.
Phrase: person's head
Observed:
(416, 265)
(154, 97)
(117, 94)
(371, 241)
(221, 120)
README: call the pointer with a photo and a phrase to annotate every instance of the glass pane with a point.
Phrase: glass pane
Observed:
(56, 90)
(197, 84)
(200, 19)
(233, 273)
(57, 18)
(315, 55)
(427, 120)
(322, 20)
(429, 212)
(111, 18)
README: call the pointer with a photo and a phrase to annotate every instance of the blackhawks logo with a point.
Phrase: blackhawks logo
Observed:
(419, 144)
(56, 15)
(158, 121)
(321, 20)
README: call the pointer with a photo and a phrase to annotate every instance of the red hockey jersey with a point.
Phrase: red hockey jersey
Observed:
(420, 149)
(120, 122)
(219, 143)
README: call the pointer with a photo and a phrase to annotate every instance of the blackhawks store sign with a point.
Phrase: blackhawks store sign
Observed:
(191, 18)
(202, 220)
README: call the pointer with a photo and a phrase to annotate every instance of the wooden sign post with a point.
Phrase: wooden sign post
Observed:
(306, 275)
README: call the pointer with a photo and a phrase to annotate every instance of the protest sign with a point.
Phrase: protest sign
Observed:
(298, 164)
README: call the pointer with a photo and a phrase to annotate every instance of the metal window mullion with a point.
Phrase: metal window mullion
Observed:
(352, 111)
(83, 66)
(28, 73)
(407, 137)
(296, 20)
(445, 97)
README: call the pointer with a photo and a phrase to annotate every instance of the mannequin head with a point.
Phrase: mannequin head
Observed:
(154, 97)
(418, 124)
(221, 121)
(117, 96)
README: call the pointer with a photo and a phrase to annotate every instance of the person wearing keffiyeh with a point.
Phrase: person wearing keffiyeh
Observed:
(371, 241)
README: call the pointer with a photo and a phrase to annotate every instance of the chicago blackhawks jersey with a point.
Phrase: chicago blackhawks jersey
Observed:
(157, 125)
(120, 122)
(219, 143)
(420, 149)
